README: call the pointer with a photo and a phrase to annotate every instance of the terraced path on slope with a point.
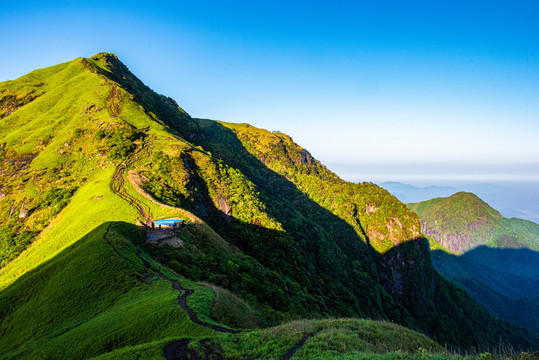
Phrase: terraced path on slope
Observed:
(178, 349)
(118, 181)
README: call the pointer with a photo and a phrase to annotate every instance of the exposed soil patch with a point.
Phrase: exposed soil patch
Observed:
(179, 349)
(113, 100)
(10, 103)
(19, 163)
(160, 237)
(296, 348)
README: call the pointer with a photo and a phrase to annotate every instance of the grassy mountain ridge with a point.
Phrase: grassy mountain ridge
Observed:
(88, 300)
(290, 237)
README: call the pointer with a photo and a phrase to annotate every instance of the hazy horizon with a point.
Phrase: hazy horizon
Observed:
(512, 189)
(426, 173)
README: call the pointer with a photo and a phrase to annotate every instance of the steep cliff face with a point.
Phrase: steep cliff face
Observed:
(407, 274)
(454, 241)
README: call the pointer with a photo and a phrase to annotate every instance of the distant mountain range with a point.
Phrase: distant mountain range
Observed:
(512, 199)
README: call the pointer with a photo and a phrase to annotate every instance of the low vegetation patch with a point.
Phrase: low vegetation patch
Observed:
(231, 310)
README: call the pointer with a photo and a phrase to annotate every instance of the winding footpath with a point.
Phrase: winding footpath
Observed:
(178, 349)
(182, 299)
(296, 348)
(117, 184)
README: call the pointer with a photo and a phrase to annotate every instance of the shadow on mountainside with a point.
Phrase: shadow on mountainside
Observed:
(522, 262)
(502, 280)
(329, 258)
(324, 254)
(444, 310)
(318, 249)
(512, 272)
(421, 299)
(319, 263)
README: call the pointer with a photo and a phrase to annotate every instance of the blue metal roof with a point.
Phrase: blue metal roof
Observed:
(167, 222)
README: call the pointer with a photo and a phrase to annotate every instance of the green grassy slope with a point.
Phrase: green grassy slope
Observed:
(324, 339)
(96, 299)
(286, 235)
(91, 298)
(463, 221)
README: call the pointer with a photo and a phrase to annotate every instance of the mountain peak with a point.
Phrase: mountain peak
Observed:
(109, 65)
(466, 195)
(463, 221)
(104, 55)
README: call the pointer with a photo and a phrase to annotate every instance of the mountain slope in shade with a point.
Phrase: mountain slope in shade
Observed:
(523, 310)
(513, 284)
(85, 143)
(462, 222)
(503, 277)
(510, 294)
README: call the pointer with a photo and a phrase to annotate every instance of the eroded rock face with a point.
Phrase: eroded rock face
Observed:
(478, 223)
(24, 212)
(370, 209)
(456, 241)
(375, 236)
(305, 157)
(226, 210)
(396, 231)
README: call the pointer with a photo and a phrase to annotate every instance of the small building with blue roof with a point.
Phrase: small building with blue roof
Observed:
(167, 224)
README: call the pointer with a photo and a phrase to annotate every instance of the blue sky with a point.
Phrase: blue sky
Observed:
(355, 82)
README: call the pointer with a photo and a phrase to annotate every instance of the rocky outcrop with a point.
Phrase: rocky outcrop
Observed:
(395, 230)
(370, 209)
(24, 212)
(306, 158)
(226, 210)
(454, 241)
